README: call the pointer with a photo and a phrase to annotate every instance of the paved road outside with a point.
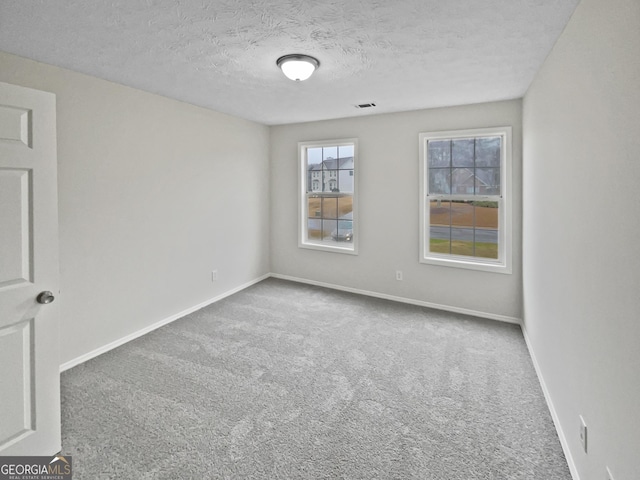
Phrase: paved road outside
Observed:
(484, 235)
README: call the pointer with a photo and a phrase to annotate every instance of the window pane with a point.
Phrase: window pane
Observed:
(487, 229)
(439, 226)
(345, 208)
(439, 180)
(488, 152)
(314, 229)
(486, 214)
(487, 247)
(329, 153)
(330, 208)
(488, 181)
(345, 181)
(345, 231)
(314, 156)
(462, 241)
(330, 164)
(439, 153)
(462, 152)
(328, 228)
(330, 180)
(345, 163)
(314, 207)
(314, 170)
(462, 222)
(345, 151)
(462, 181)
(315, 182)
(462, 214)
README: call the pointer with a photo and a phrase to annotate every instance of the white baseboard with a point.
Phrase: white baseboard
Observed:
(150, 328)
(552, 410)
(411, 301)
(121, 341)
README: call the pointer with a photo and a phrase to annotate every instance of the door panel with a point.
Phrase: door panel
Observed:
(15, 343)
(15, 254)
(15, 125)
(29, 331)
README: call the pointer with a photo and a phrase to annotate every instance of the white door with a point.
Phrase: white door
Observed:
(29, 336)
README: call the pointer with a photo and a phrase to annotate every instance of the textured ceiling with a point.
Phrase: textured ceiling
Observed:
(221, 54)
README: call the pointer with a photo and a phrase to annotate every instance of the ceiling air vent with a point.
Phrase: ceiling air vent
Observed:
(366, 105)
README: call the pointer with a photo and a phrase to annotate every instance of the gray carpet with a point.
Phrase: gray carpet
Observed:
(288, 381)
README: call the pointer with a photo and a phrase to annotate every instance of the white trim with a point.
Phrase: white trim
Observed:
(161, 323)
(505, 229)
(121, 341)
(554, 415)
(303, 241)
(410, 301)
(322, 247)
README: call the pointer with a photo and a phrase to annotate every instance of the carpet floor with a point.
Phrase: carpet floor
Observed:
(290, 381)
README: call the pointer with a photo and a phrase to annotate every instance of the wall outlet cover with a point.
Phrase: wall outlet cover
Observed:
(583, 434)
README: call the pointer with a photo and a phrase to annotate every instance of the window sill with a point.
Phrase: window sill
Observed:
(467, 263)
(323, 247)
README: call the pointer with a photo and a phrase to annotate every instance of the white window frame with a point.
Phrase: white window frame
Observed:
(303, 204)
(505, 235)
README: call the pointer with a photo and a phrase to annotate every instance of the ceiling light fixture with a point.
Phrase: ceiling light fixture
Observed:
(298, 67)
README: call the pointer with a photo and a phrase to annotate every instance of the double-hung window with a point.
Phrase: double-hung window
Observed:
(465, 204)
(328, 210)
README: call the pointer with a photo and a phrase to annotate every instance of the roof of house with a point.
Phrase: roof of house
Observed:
(333, 164)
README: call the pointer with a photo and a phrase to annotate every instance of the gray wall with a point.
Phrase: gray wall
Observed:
(581, 232)
(388, 213)
(153, 195)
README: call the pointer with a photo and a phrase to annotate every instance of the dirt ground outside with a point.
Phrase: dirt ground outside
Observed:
(330, 207)
(462, 214)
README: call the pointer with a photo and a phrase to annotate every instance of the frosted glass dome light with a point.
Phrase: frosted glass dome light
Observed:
(297, 67)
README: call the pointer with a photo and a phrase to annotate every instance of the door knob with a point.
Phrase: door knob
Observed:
(45, 297)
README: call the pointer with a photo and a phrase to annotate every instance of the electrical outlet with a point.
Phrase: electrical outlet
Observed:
(398, 274)
(583, 434)
(214, 275)
(609, 475)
